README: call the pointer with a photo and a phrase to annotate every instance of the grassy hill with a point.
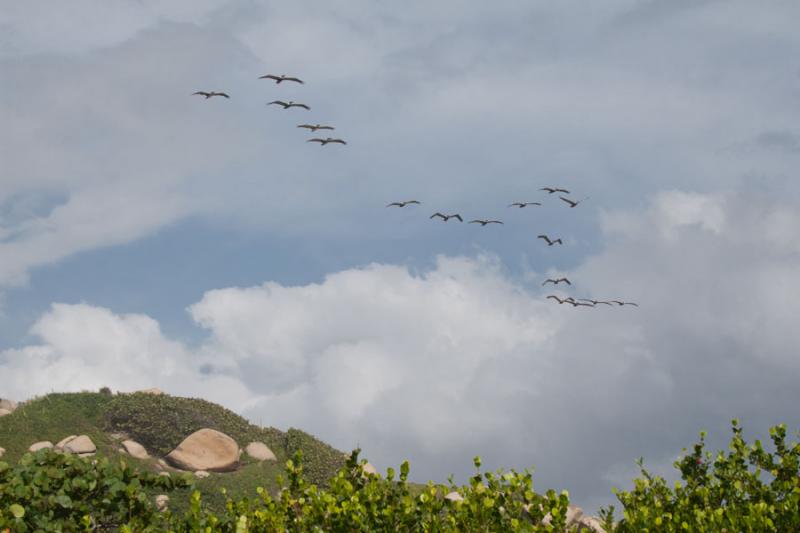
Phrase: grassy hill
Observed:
(160, 423)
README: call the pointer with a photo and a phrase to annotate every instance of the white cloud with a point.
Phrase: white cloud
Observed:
(441, 365)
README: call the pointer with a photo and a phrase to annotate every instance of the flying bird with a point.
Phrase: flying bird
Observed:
(523, 204)
(287, 105)
(282, 77)
(572, 203)
(323, 142)
(624, 303)
(484, 222)
(594, 302)
(549, 241)
(551, 190)
(210, 94)
(447, 217)
(315, 127)
(403, 204)
(556, 281)
(559, 300)
(585, 304)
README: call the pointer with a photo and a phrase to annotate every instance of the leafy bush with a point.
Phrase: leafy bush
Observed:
(52, 491)
(726, 492)
(322, 461)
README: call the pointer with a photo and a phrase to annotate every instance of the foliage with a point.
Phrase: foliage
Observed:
(52, 491)
(321, 460)
(726, 492)
(160, 422)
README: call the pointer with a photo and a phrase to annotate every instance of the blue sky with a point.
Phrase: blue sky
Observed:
(149, 237)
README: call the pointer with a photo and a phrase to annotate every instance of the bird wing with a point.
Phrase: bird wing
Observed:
(325, 128)
(307, 126)
(570, 202)
(398, 204)
(458, 217)
(548, 189)
(438, 215)
(565, 191)
(545, 237)
(558, 241)
(304, 106)
(316, 140)
(474, 221)
(340, 141)
(533, 203)
(279, 102)
(298, 80)
(222, 94)
(565, 280)
(548, 280)
(516, 204)
(201, 93)
(270, 76)
(494, 222)
(631, 303)
(413, 202)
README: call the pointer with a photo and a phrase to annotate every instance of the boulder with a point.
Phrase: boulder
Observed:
(82, 445)
(206, 449)
(163, 474)
(36, 446)
(590, 524)
(4, 412)
(260, 452)
(454, 497)
(2, 451)
(60, 444)
(202, 474)
(8, 405)
(574, 516)
(369, 469)
(134, 449)
(162, 500)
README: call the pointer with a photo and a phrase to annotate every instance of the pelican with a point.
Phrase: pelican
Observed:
(624, 303)
(484, 222)
(210, 94)
(403, 204)
(594, 302)
(278, 79)
(551, 190)
(323, 142)
(447, 217)
(287, 105)
(523, 204)
(572, 203)
(556, 281)
(315, 127)
(549, 241)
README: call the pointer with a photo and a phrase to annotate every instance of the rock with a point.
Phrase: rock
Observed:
(82, 445)
(590, 524)
(118, 436)
(206, 449)
(134, 449)
(162, 500)
(202, 474)
(2, 451)
(36, 446)
(369, 469)
(163, 474)
(60, 444)
(151, 391)
(574, 516)
(8, 405)
(4, 412)
(454, 497)
(260, 452)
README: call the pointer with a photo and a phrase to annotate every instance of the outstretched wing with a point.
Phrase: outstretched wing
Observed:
(565, 280)
(558, 241)
(325, 128)
(304, 106)
(398, 204)
(270, 76)
(565, 191)
(222, 94)
(316, 140)
(476, 221)
(340, 141)
(279, 102)
(545, 237)
(307, 126)
(443, 217)
(458, 217)
(203, 93)
(493, 222)
(630, 303)
(298, 80)
(412, 202)
(548, 280)
(570, 202)
(533, 203)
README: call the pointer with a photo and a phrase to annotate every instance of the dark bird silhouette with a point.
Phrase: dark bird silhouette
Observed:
(282, 77)
(551, 190)
(315, 127)
(447, 217)
(594, 302)
(549, 241)
(585, 304)
(572, 203)
(624, 303)
(556, 281)
(323, 142)
(484, 222)
(210, 94)
(559, 300)
(403, 204)
(287, 105)
(523, 204)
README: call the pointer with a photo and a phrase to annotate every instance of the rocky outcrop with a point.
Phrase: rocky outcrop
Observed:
(4, 412)
(578, 522)
(2, 451)
(206, 449)
(41, 445)
(134, 449)
(162, 500)
(8, 405)
(369, 469)
(60, 444)
(260, 452)
(81, 445)
(151, 391)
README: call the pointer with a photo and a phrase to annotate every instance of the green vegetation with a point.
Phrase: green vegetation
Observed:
(746, 488)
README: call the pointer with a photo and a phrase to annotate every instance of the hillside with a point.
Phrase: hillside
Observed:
(160, 422)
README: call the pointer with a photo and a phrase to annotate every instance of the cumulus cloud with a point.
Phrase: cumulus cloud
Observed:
(439, 365)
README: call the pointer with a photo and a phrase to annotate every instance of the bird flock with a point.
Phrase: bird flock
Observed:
(550, 241)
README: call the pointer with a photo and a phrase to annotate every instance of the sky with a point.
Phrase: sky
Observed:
(152, 238)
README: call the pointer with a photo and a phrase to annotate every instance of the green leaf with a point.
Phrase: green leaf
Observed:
(17, 510)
